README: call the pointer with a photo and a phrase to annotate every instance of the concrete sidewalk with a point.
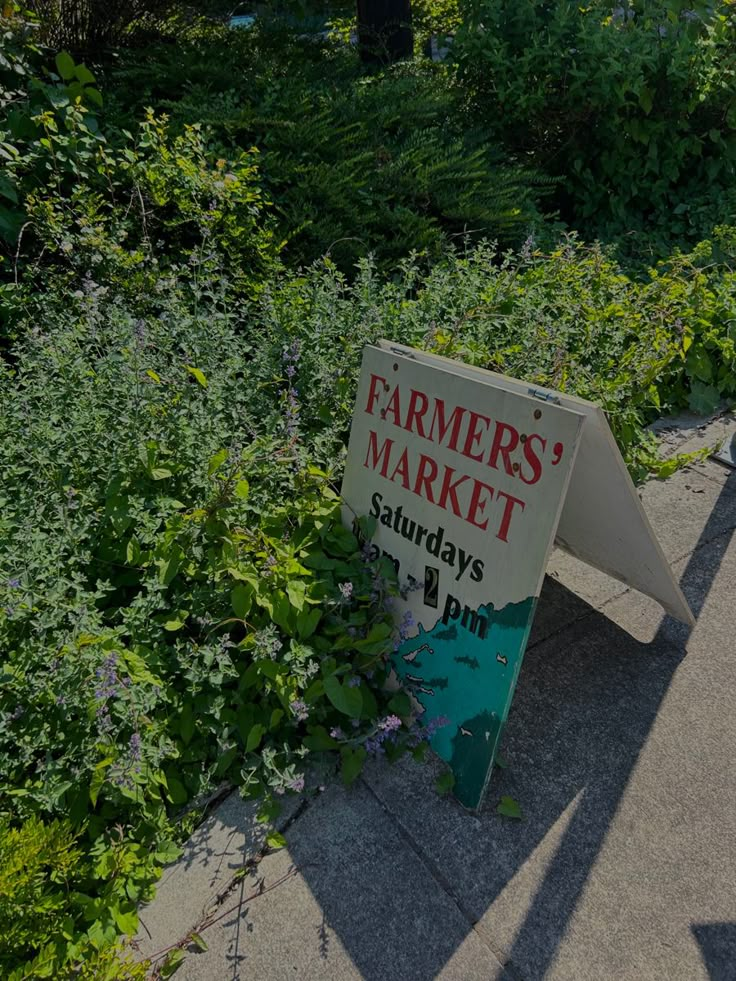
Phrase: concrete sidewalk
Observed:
(621, 746)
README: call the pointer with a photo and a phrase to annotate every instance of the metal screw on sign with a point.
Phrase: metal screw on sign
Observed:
(727, 453)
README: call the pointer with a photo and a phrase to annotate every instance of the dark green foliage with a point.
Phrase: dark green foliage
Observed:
(180, 603)
(89, 27)
(353, 162)
(632, 104)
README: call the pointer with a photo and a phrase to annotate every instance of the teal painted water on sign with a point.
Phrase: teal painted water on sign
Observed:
(466, 670)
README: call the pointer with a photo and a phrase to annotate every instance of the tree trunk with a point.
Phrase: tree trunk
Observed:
(384, 30)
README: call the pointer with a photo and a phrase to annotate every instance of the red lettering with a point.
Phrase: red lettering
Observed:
(478, 505)
(385, 453)
(455, 421)
(504, 449)
(425, 463)
(402, 468)
(449, 489)
(532, 459)
(473, 435)
(393, 407)
(508, 510)
(414, 413)
(373, 392)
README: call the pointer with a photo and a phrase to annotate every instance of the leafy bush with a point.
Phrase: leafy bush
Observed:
(78, 205)
(354, 162)
(42, 870)
(569, 319)
(179, 601)
(632, 104)
(91, 26)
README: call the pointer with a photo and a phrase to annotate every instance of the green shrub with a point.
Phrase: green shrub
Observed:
(354, 162)
(570, 319)
(633, 105)
(92, 26)
(78, 206)
(42, 869)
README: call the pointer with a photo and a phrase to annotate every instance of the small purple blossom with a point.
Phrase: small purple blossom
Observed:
(424, 731)
(337, 733)
(13, 583)
(296, 784)
(135, 746)
(346, 590)
(353, 682)
(300, 709)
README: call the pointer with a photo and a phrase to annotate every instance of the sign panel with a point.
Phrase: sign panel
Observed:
(466, 481)
(603, 522)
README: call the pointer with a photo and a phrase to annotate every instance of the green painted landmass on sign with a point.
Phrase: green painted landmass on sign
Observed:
(453, 671)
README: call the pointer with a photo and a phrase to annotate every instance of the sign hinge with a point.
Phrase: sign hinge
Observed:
(539, 393)
(402, 353)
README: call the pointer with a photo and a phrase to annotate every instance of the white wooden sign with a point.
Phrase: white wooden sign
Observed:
(469, 476)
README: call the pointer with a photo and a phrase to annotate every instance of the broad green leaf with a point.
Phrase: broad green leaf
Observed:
(172, 963)
(704, 399)
(167, 852)
(508, 807)
(8, 189)
(98, 779)
(84, 75)
(276, 717)
(95, 95)
(216, 462)
(400, 705)
(319, 740)
(347, 700)
(242, 489)
(296, 590)
(367, 524)
(65, 65)
(275, 840)
(444, 783)
(306, 622)
(177, 790)
(699, 364)
(352, 764)
(170, 564)
(186, 724)
(198, 374)
(198, 942)
(176, 621)
(241, 600)
(254, 737)
(152, 374)
(269, 812)
(127, 921)
(370, 706)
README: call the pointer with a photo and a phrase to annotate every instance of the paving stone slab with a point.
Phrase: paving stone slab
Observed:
(687, 510)
(212, 856)
(349, 898)
(687, 433)
(622, 757)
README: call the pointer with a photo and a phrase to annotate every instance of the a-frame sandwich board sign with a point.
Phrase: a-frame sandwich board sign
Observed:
(469, 477)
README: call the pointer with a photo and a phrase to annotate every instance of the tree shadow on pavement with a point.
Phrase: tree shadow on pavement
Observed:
(585, 706)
